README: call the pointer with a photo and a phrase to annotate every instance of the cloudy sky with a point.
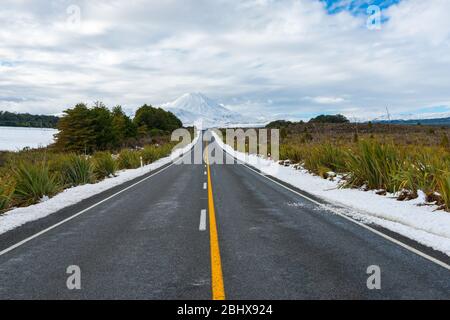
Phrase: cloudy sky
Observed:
(270, 58)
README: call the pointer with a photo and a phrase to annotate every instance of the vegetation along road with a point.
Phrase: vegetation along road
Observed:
(209, 231)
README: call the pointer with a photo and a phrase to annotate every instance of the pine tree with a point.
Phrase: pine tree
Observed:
(76, 133)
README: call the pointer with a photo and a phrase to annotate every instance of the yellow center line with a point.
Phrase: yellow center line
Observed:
(218, 291)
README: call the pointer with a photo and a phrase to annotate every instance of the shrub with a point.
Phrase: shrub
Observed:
(322, 158)
(420, 171)
(7, 187)
(444, 188)
(77, 170)
(128, 159)
(104, 165)
(374, 165)
(33, 182)
(150, 154)
(291, 152)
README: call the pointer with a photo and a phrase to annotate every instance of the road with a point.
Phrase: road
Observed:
(259, 240)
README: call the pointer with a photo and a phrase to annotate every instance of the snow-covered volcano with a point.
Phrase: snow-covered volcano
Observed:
(193, 107)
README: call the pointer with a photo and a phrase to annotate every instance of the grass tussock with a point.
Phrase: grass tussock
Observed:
(374, 165)
(7, 188)
(443, 183)
(104, 165)
(77, 170)
(322, 159)
(33, 182)
(128, 159)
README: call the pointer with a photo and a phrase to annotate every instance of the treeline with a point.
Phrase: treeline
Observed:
(338, 118)
(85, 129)
(11, 119)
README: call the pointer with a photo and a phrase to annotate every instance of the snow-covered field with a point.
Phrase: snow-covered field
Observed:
(16, 138)
(19, 216)
(412, 219)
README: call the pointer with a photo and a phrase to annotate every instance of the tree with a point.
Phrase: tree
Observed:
(148, 118)
(123, 126)
(102, 122)
(338, 118)
(10, 119)
(84, 129)
(76, 132)
(280, 124)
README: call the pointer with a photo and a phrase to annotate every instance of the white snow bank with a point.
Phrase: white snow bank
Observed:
(420, 223)
(17, 217)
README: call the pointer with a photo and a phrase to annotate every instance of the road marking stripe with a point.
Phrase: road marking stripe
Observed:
(202, 226)
(20, 243)
(204, 185)
(379, 233)
(204, 173)
(218, 291)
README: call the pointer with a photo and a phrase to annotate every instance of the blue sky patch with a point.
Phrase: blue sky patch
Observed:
(356, 7)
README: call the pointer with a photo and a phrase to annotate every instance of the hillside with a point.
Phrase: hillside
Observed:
(10, 119)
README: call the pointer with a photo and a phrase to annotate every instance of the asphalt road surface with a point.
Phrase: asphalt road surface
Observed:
(197, 231)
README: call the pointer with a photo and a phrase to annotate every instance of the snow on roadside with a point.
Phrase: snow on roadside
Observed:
(19, 216)
(420, 223)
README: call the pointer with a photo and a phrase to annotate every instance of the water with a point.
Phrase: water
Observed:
(15, 138)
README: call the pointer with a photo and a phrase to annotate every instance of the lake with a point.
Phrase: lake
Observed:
(17, 138)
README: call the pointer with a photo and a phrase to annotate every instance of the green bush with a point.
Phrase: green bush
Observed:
(443, 183)
(373, 164)
(77, 170)
(7, 187)
(322, 158)
(128, 159)
(33, 181)
(104, 165)
(290, 152)
(421, 170)
(150, 154)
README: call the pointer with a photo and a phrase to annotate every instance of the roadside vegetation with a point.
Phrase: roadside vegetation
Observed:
(397, 159)
(92, 144)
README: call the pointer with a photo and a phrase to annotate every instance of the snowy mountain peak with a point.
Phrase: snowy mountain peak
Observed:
(193, 107)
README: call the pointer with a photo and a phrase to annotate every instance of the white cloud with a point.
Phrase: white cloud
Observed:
(271, 57)
(325, 100)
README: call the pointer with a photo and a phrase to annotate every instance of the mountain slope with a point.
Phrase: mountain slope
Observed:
(193, 107)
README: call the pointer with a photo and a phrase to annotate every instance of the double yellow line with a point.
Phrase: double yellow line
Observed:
(218, 291)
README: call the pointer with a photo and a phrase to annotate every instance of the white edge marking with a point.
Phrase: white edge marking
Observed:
(204, 185)
(202, 226)
(381, 234)
(20, 243)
